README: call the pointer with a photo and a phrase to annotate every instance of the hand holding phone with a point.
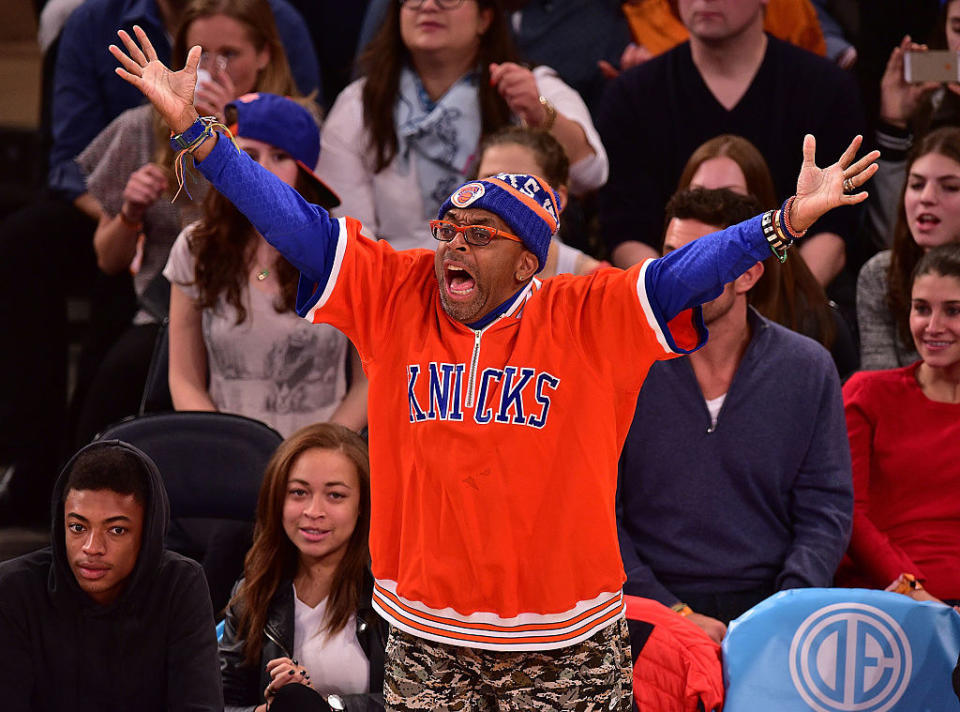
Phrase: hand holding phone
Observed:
(899, 97)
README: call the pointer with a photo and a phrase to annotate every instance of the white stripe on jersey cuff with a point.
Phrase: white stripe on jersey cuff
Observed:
(334, 270)
(648, 309)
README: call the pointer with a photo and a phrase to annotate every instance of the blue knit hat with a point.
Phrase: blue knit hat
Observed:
(526, 203)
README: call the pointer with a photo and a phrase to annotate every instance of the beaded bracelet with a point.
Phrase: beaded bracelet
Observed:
(777, 242)
(784, 221)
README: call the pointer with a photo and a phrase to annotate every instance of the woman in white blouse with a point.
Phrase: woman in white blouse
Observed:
(438, 76)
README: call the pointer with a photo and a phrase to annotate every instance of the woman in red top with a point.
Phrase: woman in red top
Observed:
(904, 427)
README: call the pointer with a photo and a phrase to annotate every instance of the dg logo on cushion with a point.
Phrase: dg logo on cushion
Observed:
(850, 657)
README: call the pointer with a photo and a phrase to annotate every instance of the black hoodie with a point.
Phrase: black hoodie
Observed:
(153, 648)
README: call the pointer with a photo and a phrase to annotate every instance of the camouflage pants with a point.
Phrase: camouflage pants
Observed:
(590, 676)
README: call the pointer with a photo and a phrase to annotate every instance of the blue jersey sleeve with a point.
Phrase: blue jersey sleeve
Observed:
(697, 272)
(304, 233)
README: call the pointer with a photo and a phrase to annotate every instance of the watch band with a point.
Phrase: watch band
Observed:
(551, 114)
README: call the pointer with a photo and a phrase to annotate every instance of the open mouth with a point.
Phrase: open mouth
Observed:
(937, 345)
(458, 280)
(927, 221)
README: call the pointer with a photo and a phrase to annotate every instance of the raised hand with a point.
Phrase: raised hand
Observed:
(171, 93)
(518, 87)
(820, 190)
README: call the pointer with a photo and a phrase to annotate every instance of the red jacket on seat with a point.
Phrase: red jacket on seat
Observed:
(678, 668)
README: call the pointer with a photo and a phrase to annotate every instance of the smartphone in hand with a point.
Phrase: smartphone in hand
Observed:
(931, 66)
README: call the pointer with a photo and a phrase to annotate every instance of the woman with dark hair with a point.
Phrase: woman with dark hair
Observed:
(904, 427)
(301, 616)
(127, 169)
(928, 215)
(787, 292)
(908, 111)
(438, 76)
(519, 149)
(236, 343)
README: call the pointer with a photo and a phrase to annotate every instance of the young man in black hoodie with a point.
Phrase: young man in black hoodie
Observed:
(105, 618)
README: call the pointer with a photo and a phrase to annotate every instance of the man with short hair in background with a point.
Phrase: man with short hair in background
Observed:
(735, 478)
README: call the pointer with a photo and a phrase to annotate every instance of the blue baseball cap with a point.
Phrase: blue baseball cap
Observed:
(283, 123)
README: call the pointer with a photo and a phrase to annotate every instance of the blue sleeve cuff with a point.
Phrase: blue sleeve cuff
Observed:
(697, 272)
(67, 179)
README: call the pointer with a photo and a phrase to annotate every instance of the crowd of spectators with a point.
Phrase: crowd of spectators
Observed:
(813, 441)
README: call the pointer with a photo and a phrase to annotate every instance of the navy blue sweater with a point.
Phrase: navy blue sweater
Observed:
(764, 498)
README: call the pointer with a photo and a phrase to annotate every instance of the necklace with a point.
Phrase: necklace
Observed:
(263, 274)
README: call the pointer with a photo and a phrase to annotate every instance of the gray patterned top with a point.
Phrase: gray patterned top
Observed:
(274, 367)
(880, 345)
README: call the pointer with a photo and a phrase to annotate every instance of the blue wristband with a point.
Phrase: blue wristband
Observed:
(186, 139)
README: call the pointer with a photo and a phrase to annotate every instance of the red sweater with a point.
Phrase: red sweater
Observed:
(906, 478)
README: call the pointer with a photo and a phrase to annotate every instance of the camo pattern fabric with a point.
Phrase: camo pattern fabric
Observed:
(593, 676)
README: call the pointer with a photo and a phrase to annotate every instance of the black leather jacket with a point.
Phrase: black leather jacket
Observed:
(243, 685)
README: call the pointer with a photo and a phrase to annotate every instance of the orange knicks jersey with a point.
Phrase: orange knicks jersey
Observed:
(494, 451)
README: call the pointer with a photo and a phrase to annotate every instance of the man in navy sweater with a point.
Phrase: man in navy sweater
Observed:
(735, 477)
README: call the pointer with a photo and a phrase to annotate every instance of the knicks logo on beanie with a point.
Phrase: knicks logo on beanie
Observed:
(524, 202)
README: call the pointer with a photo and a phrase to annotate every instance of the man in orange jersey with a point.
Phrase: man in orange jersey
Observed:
(498, 406)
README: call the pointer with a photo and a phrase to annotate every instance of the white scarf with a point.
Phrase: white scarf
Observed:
(442, 136)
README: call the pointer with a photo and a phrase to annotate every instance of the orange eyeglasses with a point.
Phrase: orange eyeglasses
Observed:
(478, 235)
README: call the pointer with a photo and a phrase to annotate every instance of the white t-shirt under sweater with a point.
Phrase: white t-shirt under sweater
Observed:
(274, 367)
(713, 406)
(336, 663)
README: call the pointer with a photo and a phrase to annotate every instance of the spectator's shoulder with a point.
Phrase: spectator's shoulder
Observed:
(874, 271)
(25, 577)
(657, 70)
(88, 20)
(349, 100)
(877, 263)
(797, 353)
(869, 384)
(176, 566)
(812, 69)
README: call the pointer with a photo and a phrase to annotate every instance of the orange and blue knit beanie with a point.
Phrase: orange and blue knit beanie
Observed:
(526, 203)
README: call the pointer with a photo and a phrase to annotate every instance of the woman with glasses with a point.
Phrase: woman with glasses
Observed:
(439, 76)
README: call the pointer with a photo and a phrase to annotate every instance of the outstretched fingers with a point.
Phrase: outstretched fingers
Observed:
(857, 180)
(132, 48)
(861, 165)
(145, 42)
(851, 151)
(130, 69)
